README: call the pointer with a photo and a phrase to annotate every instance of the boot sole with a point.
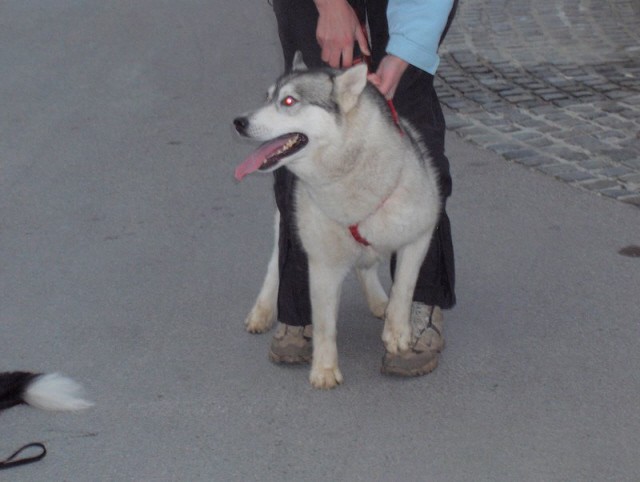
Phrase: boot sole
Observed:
(289, 359)
(400, 371)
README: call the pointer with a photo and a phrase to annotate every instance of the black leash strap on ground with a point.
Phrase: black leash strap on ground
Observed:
(13, 461)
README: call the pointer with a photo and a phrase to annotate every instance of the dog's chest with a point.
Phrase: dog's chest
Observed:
(334, 219)
(350, 200)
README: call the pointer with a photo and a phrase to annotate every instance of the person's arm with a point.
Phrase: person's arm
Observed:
(337, 31)
(415, 27)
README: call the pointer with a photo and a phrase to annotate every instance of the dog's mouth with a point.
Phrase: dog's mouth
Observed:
(271, 153)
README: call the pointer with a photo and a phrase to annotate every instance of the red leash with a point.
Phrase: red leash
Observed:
(367, 60)
(394, 115)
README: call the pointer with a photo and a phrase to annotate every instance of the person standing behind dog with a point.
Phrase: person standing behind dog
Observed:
(404, 36)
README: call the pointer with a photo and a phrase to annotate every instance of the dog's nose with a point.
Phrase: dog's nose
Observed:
(241, 124)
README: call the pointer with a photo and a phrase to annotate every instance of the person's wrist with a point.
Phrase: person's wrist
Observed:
(398, 61)
(323, 4)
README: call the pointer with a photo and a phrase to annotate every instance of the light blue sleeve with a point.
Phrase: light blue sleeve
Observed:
(415, 27)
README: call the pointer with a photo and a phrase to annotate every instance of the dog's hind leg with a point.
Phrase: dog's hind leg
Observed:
(265, 310)
(377, 298)
(325, 284)
(396, 334)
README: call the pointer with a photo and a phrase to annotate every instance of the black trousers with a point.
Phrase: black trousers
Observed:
(416, 101)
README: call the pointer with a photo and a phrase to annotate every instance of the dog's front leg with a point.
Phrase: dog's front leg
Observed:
(325, 285)
(265, 310)
(396, 334)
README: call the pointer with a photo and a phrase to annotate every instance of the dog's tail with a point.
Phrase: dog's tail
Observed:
(46, 391)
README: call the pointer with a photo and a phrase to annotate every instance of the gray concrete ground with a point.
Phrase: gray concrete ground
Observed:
(129, 258)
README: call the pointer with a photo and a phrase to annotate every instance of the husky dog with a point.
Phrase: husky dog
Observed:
(366, 189)
(46, 391)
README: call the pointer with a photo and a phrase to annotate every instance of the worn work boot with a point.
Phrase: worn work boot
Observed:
(291, 344)
(427, 342)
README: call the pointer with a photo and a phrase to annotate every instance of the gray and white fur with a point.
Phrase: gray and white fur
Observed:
(334, 131)
(51, 391)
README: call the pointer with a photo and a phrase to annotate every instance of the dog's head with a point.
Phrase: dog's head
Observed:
(303, 111)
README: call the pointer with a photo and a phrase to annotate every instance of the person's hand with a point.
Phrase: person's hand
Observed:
(388, 75)
(337, 31)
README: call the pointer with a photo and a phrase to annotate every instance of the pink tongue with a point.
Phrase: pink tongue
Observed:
(255, 160)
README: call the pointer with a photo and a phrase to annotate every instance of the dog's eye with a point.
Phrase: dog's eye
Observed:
(288, 101)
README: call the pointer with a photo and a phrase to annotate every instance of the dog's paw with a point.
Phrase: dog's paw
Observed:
(395, 340)
(325, 378)
(378, 308)
(261, 318)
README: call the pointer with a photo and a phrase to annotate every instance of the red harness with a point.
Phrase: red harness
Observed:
(353, 229)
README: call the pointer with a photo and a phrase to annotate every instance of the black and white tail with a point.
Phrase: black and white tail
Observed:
(46, 391)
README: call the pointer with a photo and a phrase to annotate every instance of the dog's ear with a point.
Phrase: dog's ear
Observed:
(349, 85)
(298, 62)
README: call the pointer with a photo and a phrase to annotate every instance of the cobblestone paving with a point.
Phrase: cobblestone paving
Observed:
(552, 85)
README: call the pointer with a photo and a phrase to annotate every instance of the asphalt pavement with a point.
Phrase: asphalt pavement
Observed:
(129, 258)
